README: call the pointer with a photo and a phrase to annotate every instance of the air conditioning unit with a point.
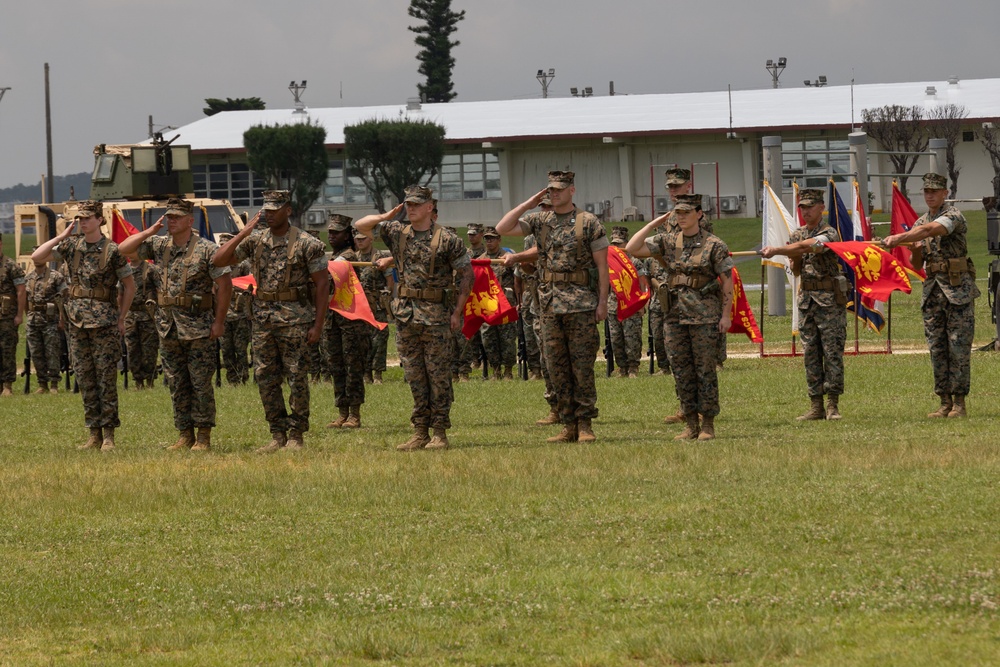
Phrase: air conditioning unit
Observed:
(729, 204)
(315, 218)
(706, 203)
(630, 213)
(662, 205)
(590, 207)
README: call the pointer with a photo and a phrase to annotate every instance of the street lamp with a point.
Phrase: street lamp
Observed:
(775, 68)
(544, 78)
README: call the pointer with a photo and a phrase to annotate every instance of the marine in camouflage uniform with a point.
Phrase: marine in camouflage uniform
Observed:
(236, 339)
(500, 340)
(657, 276)
(949, 295)
(626, 336)
(695, 261)
(572, 247)
(377, 285)
(141, 340)
(468, 351)
(426, 309)
(289, 309)
(347, 342)
(95, 315)
(822, 299)
(526, 289)
(46, 292)
(190, 317)
(12, 305)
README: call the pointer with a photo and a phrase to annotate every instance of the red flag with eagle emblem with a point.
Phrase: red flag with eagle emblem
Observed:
(877, 273)
(487, 302)
(625, 282)
(348, 297)
(743, 321)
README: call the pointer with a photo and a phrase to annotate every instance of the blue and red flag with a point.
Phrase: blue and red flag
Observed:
(841, 220)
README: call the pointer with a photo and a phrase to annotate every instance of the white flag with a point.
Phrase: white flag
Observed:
(778, 225)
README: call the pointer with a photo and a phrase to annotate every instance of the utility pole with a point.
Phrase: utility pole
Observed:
(49, 197)
(544, 78)
(775, 68)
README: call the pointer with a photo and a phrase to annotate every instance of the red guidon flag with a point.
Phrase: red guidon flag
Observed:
(903, 217)
(348, 296)
(246, 282)
(487, 302)
(877, 273)
(625, 282)
(743, 320)
(121, 229)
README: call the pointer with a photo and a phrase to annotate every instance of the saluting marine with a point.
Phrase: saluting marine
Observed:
(12, 305)
(46, 292)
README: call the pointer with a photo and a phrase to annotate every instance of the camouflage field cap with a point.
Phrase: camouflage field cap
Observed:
(474, 228)
(546, 201)
(88, 208)
(225, 237)
(812, 197)
(491, 233)
(688, 203)
(678, 176)
(934, 181)
(179, 207)
(418, 194)
(276, 199)
(338, 222)
(560, 180)
(358, 234)
(619, 235)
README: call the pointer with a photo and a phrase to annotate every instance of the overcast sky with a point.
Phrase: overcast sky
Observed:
(115, 62)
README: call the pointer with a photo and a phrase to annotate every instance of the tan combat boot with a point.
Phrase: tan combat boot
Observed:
(43, 387)
(339, 422)
(378, 377)
(418, 440)
(944, 410)
(551, 419)
(185, 441)
(567, 434)
(439, 441)
(295, 440)
(497, 374)
(8, 389)
(633, 373)
(677, 418)
(958, 408)
(832, 407)
(278, 440)
(585, 431)
(707, 428)
(94, 441)
(535, 375)
(54, 388)
(815, 412)
(368, 377)
(692, 429)
(354, 417)
(462, 377)
(109, 439)
(508, 372)
(204, 441)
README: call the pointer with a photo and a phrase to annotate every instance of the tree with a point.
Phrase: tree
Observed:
(990, 139)
(291, 157)
(215, 105)
(898, 129)
(433, 38)
(388, 155)
(946, 123)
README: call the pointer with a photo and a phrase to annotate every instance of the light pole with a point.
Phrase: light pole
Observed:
(296, 90)
(775, 68)
(818, 83)
(544, 78)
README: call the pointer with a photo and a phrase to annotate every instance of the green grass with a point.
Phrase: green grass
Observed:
(866, 541)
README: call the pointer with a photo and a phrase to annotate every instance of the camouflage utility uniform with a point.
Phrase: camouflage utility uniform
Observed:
(500, 340)
(236, 339)
(140, 333)
(347, 345)
(11, 275)
(376, 286)
(657, 325)
(46, 291)
(92, 310)
(529, 313)
(184, 315)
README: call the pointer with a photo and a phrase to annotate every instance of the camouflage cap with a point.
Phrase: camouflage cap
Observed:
(546, 201)
(474, 228)
(358, 234)
(678, 176)
(179, 207)
(812, 197)
(418, 194)
(338, 222)
(491, 232)
(619, 235)
(688, 203)
(275, 199)
(934, 181)
(225, 237)
(560, 180)
(88, 208)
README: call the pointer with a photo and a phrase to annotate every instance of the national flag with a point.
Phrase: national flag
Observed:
(487, 301)
(877, 273)
(743, 320)
(778, 225)
(624, 281)
(795, 204)
(841, 221)
(203, 224)
(348, 297)
(121, 229)
(858, 217)
(903, 217)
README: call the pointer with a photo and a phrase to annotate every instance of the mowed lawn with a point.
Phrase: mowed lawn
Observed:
(873, 540)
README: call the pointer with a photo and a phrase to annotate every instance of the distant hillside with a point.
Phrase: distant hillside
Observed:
(60, 187)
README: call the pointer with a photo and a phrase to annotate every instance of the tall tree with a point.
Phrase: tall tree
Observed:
(990, 139)
(291, 157)
(388, 155)
(433, 38)
(946, 123)
(215, 105)
(901, 130)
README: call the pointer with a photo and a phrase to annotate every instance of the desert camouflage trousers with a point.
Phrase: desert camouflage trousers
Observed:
(550, 392)
(45, 347)
(626, 341)
(501, 344)
(949, 330)
(823, 331)
(658, 329)
(235, 342)
(693, 351)
(570, 342)
(280, 354)
(142, 344)
(95, 354)
(189, 366)
(8, 350)
(347, 344)
(532, 340)
(426, 354)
